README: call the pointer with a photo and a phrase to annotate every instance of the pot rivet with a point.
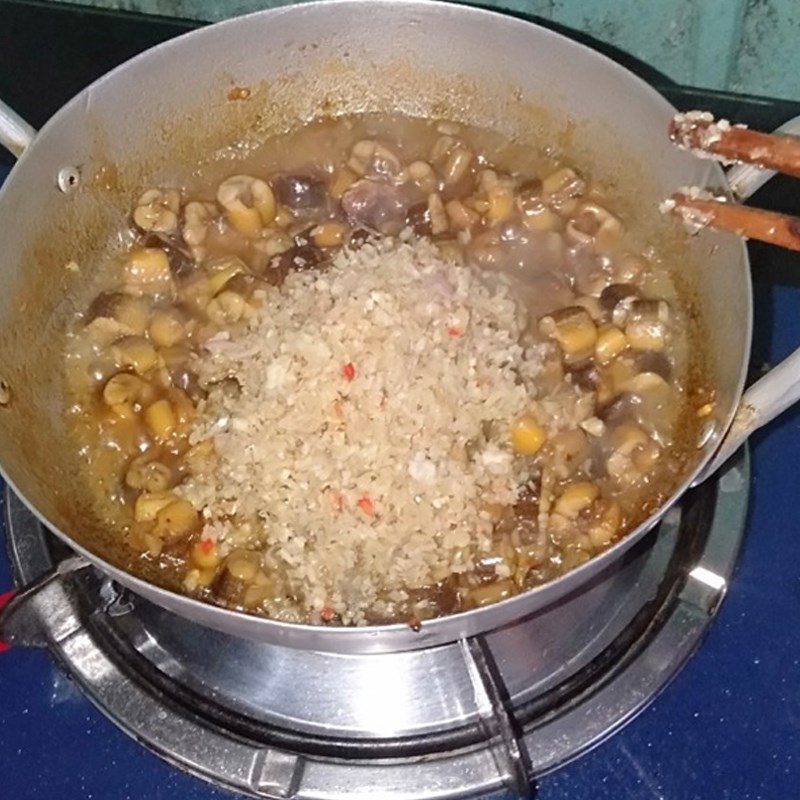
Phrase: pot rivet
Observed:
(68, 179)
(707, 433)
(5, 393)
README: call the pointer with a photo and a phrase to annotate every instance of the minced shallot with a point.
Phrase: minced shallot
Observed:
(368, 427)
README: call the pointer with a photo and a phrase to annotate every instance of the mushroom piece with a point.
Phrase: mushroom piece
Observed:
(438, 215)
(358, 237)
(461, 217)
(131, 312)
(648, 384)
(576, 498)
(646, 398)
(180, 259)
(587, 270)
(622, 407)
(418, 219)
(529, 197)
(380, 207)
(634, 453)
(653, 361)
(369, 158)
(574, 330)
(300, 193)
(586, 376)
(595, 225)
(562, 189)
(607, 520)
(485, 250)
(490, 593)
(157, 210)
(646, 324)
(591, 378)
(302, 255)
(249, 203)
(568, 450)
(523, 544)
(457, 165)
(441, 149)
(148, 474)
(421, 175)
(239, 570)
(197, 217)
(146, 271)
(614, 294)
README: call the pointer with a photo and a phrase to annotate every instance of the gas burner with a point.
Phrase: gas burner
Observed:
(480, 718)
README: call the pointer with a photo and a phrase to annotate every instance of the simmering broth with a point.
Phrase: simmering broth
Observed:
(597, 344)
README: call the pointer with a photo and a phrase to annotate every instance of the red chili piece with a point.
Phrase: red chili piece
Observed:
(366, 505)
(4, 598)
(337, 501)
(453, 332)
(206, 545)
(349, 371)
(326, 615)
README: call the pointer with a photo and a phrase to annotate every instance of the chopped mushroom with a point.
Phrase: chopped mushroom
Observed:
(616, 293)
(197, 217)
(595, 225)
(437, 214)
(157, 210)
(380, 207)
(418, 219)
(574, 330)
(646, 324)
(457, 165)
(562, 189)
(421, 174)
(300, 193)
(371, 159)
(249, 203)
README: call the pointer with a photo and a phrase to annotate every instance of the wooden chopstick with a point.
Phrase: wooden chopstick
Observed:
(699, 132)
(754, 223)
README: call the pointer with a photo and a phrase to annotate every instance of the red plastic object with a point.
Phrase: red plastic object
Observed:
(4, 598)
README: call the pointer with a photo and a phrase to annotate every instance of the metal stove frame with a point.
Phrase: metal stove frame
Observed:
(512, 706)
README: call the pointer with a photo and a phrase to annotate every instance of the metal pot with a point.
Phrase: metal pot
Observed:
(74, 181)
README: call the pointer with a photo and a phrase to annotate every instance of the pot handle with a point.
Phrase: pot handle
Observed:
(780, 387)
(19, 618)
(15, 134)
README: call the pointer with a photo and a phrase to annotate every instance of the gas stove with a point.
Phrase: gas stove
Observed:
(479, 718)
(493, 716)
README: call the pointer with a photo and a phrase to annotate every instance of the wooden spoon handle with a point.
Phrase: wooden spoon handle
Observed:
(754, 223)
(700, 133)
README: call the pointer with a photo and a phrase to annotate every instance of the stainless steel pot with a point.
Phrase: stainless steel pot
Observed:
(74, 181)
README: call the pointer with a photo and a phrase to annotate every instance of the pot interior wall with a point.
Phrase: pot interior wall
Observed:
(153, 119)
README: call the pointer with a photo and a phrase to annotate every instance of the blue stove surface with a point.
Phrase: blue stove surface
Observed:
(727, 727)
